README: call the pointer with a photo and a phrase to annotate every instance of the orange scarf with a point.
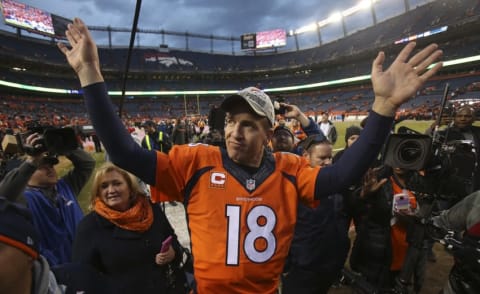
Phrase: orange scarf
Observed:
(137, 218)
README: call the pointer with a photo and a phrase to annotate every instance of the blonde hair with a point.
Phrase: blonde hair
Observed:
(108, 167)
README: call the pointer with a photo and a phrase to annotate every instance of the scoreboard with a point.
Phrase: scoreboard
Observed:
(249, 41)
(264, 40)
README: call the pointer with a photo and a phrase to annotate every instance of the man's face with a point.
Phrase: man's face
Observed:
(463, 118)
(324, 118)
(150, 129)
(45, 176)
(282, 140)
(15, 266)
(319, 154)
(246, 135)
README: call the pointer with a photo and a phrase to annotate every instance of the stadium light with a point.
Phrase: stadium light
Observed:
(365, 4)
(307, 28)
(336, 16)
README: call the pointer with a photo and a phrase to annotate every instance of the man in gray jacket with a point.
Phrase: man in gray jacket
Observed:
(463, 217)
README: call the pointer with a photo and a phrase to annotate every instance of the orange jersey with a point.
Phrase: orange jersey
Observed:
(241, 226)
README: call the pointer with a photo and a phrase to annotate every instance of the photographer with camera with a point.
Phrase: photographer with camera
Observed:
(383, 213)
(464, 138)
(462, 217)
(283, 139)
(53, 201)
(24, 269)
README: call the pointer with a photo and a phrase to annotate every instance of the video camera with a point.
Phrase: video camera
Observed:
(55, 141)
(447, 165)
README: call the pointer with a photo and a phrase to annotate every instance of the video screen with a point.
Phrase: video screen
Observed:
(269, 39)
(27, 17)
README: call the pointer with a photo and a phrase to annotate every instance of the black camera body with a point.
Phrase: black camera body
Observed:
(408, 151)
(447, 166)
(279, 109)
(55, 141)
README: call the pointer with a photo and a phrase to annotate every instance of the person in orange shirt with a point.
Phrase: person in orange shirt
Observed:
(383, 213)
(298, 131)
(241, 201)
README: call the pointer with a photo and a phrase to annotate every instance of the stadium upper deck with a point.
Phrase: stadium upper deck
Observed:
(153, 69)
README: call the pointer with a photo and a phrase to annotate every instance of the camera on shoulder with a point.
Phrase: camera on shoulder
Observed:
(53, 140)
(448, 166)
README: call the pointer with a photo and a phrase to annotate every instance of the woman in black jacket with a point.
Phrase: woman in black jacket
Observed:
(123, 235)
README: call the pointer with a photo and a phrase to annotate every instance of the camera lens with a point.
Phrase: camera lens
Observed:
(409, 151)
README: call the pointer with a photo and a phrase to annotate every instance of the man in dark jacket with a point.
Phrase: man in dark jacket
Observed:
(155, 139)
(320, 244)
(466, 154)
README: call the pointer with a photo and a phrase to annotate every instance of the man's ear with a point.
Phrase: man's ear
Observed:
(306, 155)
(269, 136)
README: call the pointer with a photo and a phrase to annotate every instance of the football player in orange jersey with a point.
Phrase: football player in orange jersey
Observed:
(241, 201)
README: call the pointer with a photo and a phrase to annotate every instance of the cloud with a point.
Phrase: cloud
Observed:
(217, 17)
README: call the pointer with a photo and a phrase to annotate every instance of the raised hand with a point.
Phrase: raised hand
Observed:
(292, 111)
(371, 183)
(403, 78)
(83, 55)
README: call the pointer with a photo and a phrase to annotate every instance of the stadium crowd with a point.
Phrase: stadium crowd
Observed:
(17, 111)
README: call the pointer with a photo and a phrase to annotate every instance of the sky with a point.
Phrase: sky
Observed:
(217, 17)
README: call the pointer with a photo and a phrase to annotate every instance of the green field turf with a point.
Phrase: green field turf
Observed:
(419, 126)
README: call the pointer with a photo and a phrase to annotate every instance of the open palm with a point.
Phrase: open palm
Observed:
(405, 76)
(83, 52)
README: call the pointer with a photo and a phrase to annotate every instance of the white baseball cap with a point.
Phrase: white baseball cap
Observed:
(257, 99)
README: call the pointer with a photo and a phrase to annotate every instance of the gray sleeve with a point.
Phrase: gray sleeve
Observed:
(456, 217)
(14, 182)
(83, 166)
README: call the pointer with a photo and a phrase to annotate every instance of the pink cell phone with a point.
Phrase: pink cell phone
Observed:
(401, 202)
(166, 244)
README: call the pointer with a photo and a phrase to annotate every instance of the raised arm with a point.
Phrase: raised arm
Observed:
(308, 125)
(122, 149)
(83, 166)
